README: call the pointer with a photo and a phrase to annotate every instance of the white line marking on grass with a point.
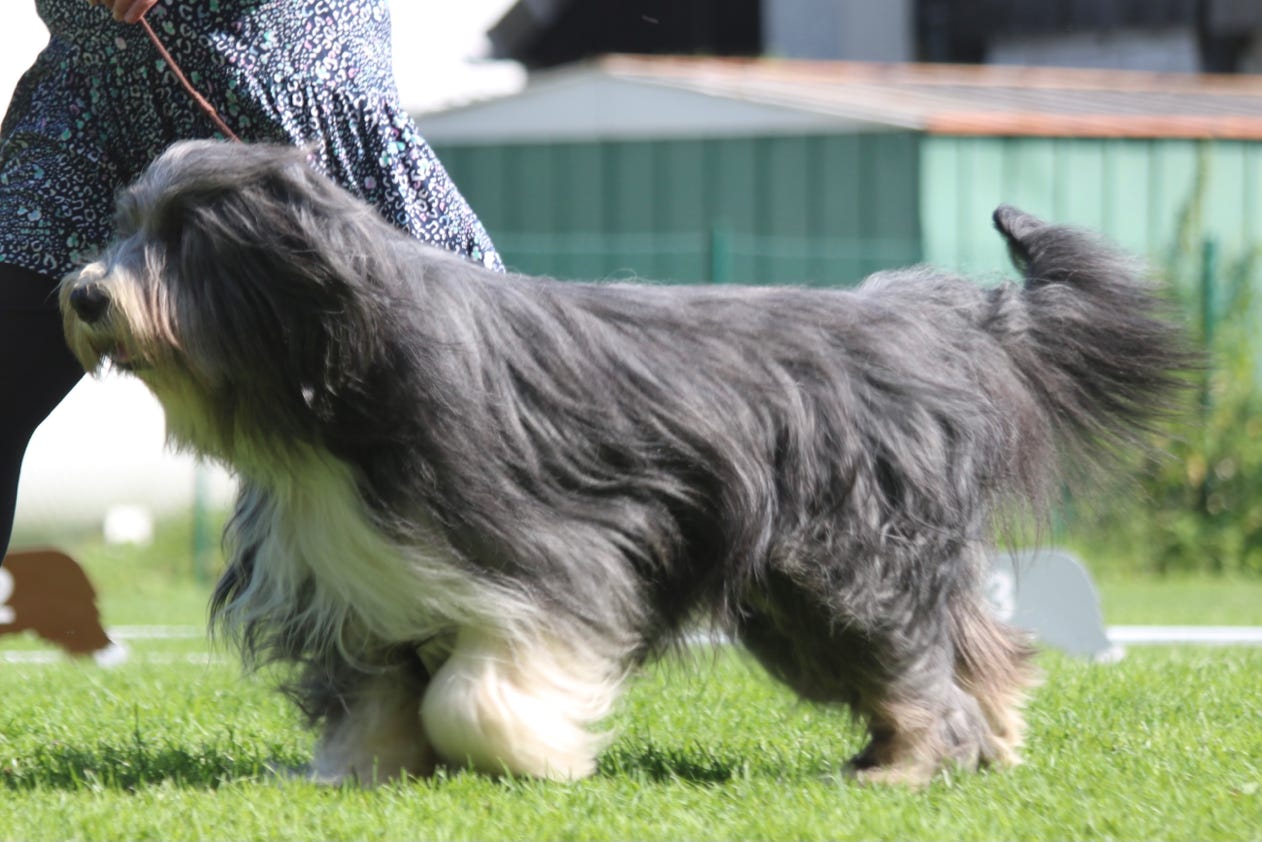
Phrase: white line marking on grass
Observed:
(1131, 635)
(1118, 635)
(157, 632)
(43, 657)
(1216, 635)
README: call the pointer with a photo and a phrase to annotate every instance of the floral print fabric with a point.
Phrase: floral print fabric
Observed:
(99, 104)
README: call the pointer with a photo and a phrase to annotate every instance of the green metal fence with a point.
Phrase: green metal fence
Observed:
(719, 255)
(798, 209)
(1156, 198)
(829, 209)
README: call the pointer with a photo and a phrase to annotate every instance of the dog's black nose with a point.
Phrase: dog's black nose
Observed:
(90, 302)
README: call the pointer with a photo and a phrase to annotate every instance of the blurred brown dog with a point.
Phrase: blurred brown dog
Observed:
(48, 593)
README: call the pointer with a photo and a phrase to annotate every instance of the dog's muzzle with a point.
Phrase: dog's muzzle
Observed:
(90, 302)
(95, 321)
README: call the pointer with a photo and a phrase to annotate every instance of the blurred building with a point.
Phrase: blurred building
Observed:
(730, 170)
(1219, 36)
(814, 141)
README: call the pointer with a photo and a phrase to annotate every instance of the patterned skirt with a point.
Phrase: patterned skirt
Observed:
(99, 104)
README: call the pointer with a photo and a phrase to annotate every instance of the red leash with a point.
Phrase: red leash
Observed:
(188, 86)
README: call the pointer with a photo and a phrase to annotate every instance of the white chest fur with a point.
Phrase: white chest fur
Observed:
(317, 542)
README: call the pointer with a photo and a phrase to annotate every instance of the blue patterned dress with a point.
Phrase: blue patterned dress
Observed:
(99, 104)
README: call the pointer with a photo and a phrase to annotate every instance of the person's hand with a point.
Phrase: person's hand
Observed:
(127, 11)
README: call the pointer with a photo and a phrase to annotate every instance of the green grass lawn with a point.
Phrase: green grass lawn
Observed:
(1166, 744)
(176, 744)
(1181, 601)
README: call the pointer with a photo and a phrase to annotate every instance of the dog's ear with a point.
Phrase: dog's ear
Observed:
(282, 275)
(266, 307)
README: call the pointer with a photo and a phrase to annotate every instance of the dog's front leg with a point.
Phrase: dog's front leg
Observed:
(522, 707)
(371, 732)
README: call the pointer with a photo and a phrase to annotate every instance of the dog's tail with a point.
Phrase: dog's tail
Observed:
(1097, 347)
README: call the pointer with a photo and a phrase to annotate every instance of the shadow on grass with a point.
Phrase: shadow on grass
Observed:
(691, 764)
(133, 766)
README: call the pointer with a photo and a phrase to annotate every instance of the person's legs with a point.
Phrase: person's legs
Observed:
(36, 372)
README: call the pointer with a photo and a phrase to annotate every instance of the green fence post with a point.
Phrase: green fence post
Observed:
(201, 523)
(1209, 268)
(720, 255)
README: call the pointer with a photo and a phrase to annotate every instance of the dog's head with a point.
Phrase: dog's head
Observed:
(240, 288)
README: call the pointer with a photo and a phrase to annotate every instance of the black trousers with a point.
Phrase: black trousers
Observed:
(36, 372)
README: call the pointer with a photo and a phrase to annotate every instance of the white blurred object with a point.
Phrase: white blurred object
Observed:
(128, 524)
(1049, 592)
(111, 656)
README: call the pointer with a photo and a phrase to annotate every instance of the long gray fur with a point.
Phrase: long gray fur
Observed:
(817, 471)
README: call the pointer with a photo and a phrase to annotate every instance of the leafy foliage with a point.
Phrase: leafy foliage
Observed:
(1199, 509)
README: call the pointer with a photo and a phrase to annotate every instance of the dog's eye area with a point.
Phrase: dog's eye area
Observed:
(128, 215)
(157, 220)
(167, 228)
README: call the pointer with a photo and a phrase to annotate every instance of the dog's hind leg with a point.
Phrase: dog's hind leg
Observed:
(956, 699)
(920, 720)
(895, 664)
(522, 708)
(992, 663)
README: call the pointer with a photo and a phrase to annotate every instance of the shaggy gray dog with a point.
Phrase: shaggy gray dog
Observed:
(472, 504)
